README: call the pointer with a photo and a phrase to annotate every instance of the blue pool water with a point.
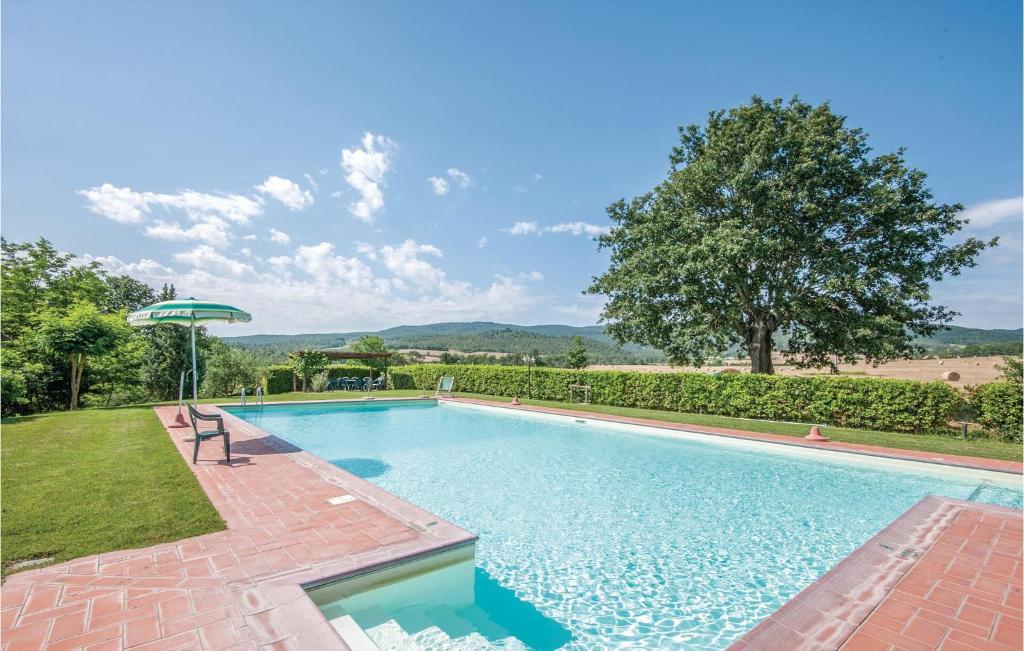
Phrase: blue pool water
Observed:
(622, 539)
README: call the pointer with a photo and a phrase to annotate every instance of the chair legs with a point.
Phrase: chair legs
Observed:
(227, 447)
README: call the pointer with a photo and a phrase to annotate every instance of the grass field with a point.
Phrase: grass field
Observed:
(89, 481)
(974, 447)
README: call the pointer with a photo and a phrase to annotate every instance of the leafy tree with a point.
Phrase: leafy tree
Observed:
(228, 370)
(308, 363)
(124, 293)
(776, 218)
(1012, 369)
(170, 353)
(370, 344)
(576, 357)
(80, 332)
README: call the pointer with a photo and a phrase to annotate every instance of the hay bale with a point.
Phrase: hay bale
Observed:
(951, 376)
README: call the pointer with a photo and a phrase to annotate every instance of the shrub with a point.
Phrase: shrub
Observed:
(279, 378)
(997, 408)
(319, 382)
(867, 403)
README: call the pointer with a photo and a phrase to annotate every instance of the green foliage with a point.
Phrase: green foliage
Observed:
(864, 403)
(228, 370)
(997, 408)
(576, 356)
(78, 333)
(278, 379)
(1012, 369)
(169, 354)
(307, 363)
(318, 384)
(370, 344)
(776, 218)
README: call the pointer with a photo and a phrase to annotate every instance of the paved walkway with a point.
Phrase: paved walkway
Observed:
(235, 589)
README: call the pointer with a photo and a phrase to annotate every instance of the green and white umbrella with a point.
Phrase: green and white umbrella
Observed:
(188, 312)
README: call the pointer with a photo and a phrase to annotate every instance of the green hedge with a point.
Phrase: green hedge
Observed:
(279, 378)
(867, 403)
(997, 408)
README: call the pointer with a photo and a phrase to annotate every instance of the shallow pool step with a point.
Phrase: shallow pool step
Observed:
(392, 637)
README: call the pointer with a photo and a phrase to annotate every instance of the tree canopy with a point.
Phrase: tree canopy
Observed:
(775, 217)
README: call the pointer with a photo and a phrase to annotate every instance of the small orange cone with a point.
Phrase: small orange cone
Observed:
(515, 400)
(815, 435)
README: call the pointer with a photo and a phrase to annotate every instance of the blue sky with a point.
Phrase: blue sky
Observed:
(499, 132)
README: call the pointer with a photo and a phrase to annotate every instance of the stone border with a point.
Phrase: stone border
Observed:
(826, 613)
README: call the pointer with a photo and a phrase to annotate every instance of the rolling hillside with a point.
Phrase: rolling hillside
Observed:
(554, 340)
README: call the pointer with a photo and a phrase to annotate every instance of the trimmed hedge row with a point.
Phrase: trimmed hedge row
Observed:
(997, 408)
(279, 378)
(867, 403)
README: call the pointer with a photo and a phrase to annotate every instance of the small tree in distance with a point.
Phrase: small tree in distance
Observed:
(576, 357)
(776, 218)
(308, 363)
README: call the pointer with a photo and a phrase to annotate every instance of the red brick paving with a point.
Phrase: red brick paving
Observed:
(235, 589)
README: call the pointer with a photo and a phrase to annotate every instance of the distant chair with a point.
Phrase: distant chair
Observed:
(365, 385)
(203, 435)
(378, 384)
(445, 385)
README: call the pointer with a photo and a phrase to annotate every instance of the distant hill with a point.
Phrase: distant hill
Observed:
(467, 337)
(553, 340)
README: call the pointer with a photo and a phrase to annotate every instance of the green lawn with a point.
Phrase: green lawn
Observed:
(89, 481)
(975, 447)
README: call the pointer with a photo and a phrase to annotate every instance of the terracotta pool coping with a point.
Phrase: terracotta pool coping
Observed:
(900, 590)
(977, 463)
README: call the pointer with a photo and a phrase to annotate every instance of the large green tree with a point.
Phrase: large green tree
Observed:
(776, 218)
(78, 333)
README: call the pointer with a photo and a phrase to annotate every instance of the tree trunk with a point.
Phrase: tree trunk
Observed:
(759, 348)
(77, 366)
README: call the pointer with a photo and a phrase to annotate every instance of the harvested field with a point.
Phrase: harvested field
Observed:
(972, 370)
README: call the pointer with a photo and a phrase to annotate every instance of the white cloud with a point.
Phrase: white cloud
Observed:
(212, 230)
(199, 206)
(323, 171)
(287, 192)
(404, 261)
(573, 228)
(535, 276)
(144, 267)
(280, 263)
(439, 185)
(365, 169)
(990, 213)
(320, 262)
(367, 250)
(246, 251)
(537, 177)
(520, 189)
(312, 182)
(459, 176)
(249, 237)
(482, 242)
(577, 228)
(208, 259)
(278, 237)
(523, 228)
(119, 204)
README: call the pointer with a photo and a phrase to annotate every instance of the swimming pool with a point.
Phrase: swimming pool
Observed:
(619, 536)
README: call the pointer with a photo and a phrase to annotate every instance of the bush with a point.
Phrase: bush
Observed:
(318, 383)
(279, 378)
(997, 408)
(228, 370)
(867, 403)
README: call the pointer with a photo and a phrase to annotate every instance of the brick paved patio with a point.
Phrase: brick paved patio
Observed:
(238, 588)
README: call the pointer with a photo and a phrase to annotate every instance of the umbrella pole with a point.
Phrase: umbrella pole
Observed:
(195, 391)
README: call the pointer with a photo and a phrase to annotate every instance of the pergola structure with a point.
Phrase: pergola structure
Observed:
(345, 354)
